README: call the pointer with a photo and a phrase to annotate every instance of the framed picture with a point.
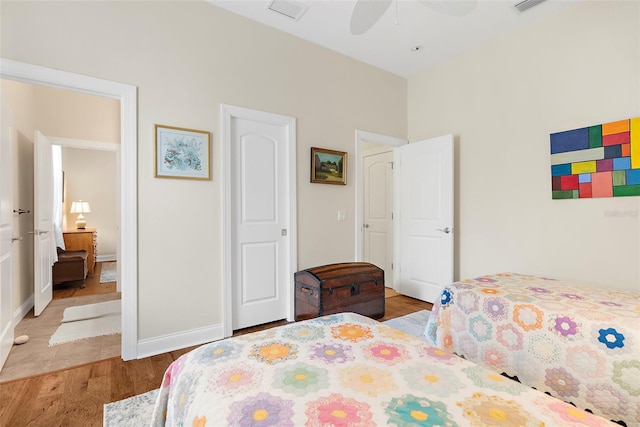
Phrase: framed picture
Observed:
(182, 153)
(328, 166)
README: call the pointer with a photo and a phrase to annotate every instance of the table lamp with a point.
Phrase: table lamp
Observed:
(80, 208)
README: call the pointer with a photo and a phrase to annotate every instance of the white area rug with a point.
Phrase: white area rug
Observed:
(412, 324)
(134, 411)
(108, 272)
(86, 321)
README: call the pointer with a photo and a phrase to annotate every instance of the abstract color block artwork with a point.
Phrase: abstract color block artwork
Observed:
(596, 161)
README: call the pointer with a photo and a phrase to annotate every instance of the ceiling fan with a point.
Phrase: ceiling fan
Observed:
(367, 12)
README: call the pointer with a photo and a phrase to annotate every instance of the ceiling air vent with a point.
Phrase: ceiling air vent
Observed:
(290, 9)
(527, 4)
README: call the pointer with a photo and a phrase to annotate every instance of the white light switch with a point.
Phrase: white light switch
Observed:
(342, 215)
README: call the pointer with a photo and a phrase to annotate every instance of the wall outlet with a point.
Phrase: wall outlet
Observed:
(342, 215)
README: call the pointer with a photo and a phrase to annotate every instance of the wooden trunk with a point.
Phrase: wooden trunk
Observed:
(335, 288)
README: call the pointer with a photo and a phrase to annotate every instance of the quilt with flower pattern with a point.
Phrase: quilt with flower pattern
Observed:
(346, 370)
(578, 343)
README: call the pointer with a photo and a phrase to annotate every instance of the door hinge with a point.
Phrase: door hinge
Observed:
(392, 215)
(391, 163)
(392, 266)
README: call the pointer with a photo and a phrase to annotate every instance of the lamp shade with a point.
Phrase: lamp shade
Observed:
(80, 207)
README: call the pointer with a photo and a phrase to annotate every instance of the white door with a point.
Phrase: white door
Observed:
(43, 245)
(261, 219)
(378, 211)
(6, 232)
(426, 217)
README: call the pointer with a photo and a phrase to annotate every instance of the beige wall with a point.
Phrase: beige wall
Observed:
(64, 114)
(502, 101)
(75, 115)
(186, 58)
(90, 175)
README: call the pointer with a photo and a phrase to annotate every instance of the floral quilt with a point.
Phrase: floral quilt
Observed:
(578, 343)
(346, 370)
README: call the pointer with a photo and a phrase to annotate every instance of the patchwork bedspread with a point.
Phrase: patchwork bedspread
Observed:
(579, 344)
(346, 370)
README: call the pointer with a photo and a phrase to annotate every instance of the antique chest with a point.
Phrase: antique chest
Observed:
(351, 286)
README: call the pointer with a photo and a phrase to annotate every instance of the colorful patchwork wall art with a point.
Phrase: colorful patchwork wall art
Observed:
(596, 161)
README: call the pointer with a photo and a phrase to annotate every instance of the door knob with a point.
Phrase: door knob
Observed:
(445, 230)
(366, 226)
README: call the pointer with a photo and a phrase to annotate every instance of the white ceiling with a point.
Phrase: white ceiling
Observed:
(387, 45)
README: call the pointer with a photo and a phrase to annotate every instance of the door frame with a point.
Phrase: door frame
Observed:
(362, 137)
(85, 144)
(128, 246)
(228, 112)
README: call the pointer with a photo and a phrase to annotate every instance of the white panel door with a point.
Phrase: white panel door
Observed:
(426, 217)
(259, 222)
(378, 211)
(43, 245)
(6, 232)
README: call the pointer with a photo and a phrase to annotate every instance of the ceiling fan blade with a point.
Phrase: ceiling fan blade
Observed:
(366, 13)
(451, 7)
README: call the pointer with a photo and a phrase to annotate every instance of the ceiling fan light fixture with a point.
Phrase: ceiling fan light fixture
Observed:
(366, 13)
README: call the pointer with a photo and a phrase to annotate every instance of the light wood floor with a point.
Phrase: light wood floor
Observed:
(75, 396)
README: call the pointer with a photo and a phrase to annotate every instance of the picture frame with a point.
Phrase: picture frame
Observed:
(182, 153)
(328, 166)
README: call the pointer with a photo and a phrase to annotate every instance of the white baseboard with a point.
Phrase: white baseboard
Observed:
(22, 311)
(167, 343)
(105, 258)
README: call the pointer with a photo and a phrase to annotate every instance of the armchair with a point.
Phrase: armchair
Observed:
(71, 266)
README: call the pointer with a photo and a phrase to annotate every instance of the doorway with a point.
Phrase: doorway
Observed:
(423, 211)
(81, 168)
(371, 143)
(127, 213)
(378, 210)
(81, 162)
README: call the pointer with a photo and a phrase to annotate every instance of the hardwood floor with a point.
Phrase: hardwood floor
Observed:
(75, 396)
(92, 286)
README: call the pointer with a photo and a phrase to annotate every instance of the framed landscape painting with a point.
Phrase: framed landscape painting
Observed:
(182, 153)
(328, 166)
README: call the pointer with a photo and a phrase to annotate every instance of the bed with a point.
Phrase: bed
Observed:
(577, 343)
(346, 370)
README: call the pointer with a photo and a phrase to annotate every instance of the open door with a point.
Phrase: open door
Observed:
(426, 217)
(43, 245)
(6, 233)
